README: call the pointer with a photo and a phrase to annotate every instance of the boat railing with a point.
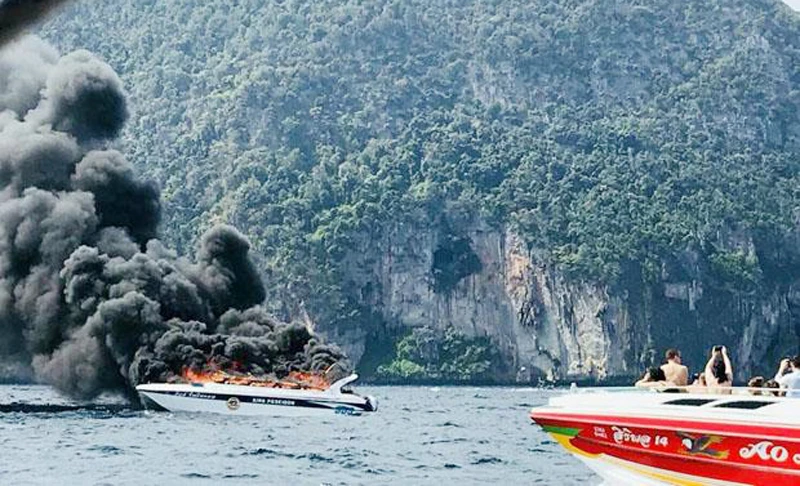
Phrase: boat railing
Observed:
(691, 389)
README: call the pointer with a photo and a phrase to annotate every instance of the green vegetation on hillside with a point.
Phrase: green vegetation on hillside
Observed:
(605, 132)
(426, 354)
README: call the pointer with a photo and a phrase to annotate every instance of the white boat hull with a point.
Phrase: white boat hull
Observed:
(624, 473)
(251, 400)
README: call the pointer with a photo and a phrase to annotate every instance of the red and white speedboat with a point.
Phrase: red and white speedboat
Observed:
(649, 438)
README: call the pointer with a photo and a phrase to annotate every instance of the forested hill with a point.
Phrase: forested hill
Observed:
(610, 135)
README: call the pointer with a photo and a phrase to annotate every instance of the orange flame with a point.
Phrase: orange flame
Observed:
(294, 380)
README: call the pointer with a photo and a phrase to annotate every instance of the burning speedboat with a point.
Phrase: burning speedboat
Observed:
(242, 396)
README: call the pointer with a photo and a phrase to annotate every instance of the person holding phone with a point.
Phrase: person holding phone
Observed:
(788, 376)
(719, 372)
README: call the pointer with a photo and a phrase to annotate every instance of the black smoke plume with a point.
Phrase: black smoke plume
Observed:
(17, 15)
(89, 299)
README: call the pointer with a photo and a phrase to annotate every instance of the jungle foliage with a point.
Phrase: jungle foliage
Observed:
(604, 132)
(428, 354)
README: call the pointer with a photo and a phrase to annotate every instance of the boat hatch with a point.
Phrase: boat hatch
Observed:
(690, 402)
(744, 405)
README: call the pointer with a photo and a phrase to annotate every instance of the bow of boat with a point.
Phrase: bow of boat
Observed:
(642, 438)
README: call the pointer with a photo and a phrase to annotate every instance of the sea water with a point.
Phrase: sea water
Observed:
(420, 435)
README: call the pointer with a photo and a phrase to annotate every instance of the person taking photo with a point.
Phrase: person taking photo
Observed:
(788, 376)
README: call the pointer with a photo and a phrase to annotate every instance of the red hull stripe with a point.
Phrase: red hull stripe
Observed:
(667, 445)
(732, 429)
(725, 471)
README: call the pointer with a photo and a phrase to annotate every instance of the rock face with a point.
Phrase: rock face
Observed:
(552, 327)
(663, 121)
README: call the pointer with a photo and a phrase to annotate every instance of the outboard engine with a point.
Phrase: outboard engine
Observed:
(372, 404)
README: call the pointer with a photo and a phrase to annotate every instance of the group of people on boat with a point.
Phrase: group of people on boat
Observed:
(717, 376)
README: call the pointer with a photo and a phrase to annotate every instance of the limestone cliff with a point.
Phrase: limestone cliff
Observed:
(622, 139)
(550, 326)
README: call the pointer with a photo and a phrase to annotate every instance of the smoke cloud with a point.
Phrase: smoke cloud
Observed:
(17, 15)
(90, 300)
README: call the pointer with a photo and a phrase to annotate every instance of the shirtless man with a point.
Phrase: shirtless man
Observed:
(673, 369)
